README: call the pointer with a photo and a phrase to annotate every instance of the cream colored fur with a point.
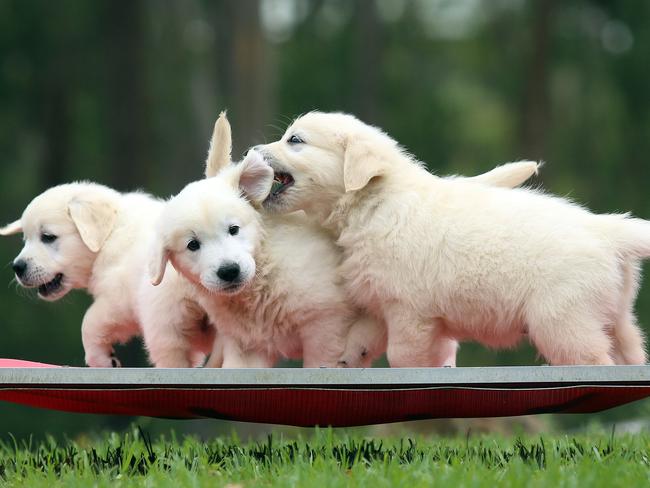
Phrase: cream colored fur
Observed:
(102, 240)
(442, 260)
(290, 302)
(366, 340)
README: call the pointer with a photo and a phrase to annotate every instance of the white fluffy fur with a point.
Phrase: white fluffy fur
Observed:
(442, 260)
(289, 302)
(102, 244)
(294, 306)
(367, 338)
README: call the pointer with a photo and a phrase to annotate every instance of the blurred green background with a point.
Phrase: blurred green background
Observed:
(125, 92)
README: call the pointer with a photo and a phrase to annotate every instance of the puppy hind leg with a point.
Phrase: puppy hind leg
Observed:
(628, 341)
(444, 352)
(414, 342)
(579, 339)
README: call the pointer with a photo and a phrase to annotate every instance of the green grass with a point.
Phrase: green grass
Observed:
(330, 459)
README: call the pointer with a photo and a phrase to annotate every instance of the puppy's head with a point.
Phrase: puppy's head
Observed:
(63, 229)
(322, 156)
(211, 230)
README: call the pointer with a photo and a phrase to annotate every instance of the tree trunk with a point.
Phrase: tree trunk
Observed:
(367, 61)
(536, 99)
(244, 71)
(127, 111)
(57, 130)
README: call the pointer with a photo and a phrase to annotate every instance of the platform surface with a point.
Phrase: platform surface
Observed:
(337, 397)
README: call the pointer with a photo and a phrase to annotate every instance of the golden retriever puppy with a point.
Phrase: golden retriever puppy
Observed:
(442, 260)
(269, 283)
(366, 340)
(295, 308)
(88, 236)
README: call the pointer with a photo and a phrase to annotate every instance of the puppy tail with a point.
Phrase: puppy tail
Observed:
(509, 175)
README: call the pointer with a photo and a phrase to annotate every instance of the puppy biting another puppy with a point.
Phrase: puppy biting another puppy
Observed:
(88, 236)
(442, 260)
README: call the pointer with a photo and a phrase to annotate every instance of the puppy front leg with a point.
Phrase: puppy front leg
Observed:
(216, 356)
(235, 357)
(97, 337)
(414, 342)
(324, 341)
(366, 341)
(166, 329)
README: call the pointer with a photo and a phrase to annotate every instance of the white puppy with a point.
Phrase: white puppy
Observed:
(366, 341)
(270, 284)
(85, 235)
(295, 308)
(442, 260)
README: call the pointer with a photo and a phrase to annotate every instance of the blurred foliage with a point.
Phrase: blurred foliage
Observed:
(124, 92)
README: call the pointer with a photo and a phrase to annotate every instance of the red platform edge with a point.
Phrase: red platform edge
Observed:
(338, 408)
(308, 406)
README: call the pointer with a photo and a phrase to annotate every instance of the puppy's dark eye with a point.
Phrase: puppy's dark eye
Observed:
(48, 238)
(233, 230)
(294, 139)
(194, 245)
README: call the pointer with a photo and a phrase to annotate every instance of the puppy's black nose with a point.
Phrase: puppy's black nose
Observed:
(228, 272)
(19, 267)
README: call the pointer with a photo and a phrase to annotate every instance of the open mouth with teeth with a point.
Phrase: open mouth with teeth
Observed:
(281, 181)
(51, 287)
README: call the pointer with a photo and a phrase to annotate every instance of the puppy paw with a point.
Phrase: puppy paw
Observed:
(102, 361)
(115, 363)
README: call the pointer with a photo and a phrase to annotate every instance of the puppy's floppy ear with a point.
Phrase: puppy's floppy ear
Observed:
(94, 219)
(254, 177)
(13, 228)
(509, 175)
(219, 154)
(159, 255)
(362, 162)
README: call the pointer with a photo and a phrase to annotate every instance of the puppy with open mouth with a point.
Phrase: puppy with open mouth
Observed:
(367, 338)
(269, 283)
(88, 236)
(441, 260)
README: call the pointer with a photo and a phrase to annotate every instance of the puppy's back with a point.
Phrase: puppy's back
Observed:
(123, 258)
